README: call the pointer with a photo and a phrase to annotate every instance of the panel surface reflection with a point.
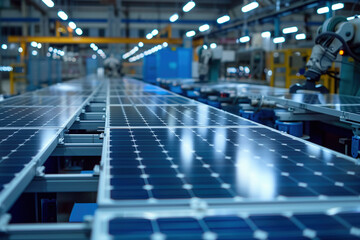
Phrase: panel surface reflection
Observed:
(199, 115)
(36, 116)
(244, 163)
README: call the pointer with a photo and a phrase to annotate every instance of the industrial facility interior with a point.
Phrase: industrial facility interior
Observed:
(179, 120)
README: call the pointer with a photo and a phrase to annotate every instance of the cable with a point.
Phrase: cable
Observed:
(345, 45)
(350, 64)
(333, 76)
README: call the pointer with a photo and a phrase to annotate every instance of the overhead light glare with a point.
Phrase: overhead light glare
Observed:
(279, 40)
(300, 36)
(190, 5)
(79, 31)
(72, 25)
(290, 30)
(204, 27)
(154, 32)
(337, 6)
(190, 33)
(48, 3)
(249, 7)
(223, 19)
(266, 34)
(62, 15)
(174, 17)
(244, 39)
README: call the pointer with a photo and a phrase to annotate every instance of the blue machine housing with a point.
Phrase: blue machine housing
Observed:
(292, 128)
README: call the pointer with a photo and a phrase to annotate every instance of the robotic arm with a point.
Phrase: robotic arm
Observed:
(335, 34)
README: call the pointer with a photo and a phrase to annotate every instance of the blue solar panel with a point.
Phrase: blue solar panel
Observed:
(44, 101)
(135, 87)
(321, 99)
(251, 163)
(18, 148)
(139, 93)
(36, 116)
(341, 108)
(199, 115)
(306, 226)
(157, 100)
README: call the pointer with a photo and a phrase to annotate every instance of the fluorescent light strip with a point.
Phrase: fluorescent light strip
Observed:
(48, 3)
(223, 19)
(190, 5)
(72, 25)
(79, 31)
(337, 6)
(204, 27)
(244, 39)
(62, 15)
(279, 40)
(154, 32)
(213, 45)
(174, 17)
(190, 33)
(300, 36)
(249, 7)
(322, 10)
(290, 30)
(266, 34)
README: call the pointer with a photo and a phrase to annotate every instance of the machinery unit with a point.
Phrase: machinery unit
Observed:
(337, 33)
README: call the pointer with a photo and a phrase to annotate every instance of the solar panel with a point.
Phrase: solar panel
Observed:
(156, 100)
(254, 164)
(44, 101)
(139, 93)
(19, 148)
(16, 117)
(343, 225)
(167, 116)
(316, 99)
(51, 92)
(135, 87)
